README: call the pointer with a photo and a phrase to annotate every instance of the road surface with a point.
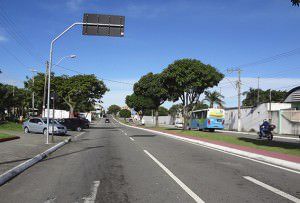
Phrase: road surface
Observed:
(113, 163)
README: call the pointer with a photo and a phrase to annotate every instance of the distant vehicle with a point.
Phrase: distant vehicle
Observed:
(107, 120)
(178, 124)
(207, 119)
(39, 125)
(86, 122)
(75, 124)
(267, 133)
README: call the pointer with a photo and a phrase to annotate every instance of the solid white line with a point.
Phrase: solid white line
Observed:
(244, 157)
(179, 182)
(272, 189)
(79, 134)
(92, 197)
(131, 138)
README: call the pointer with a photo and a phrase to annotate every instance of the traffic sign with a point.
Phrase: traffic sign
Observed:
(104, 25)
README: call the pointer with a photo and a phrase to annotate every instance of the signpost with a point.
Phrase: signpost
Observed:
(93, 24)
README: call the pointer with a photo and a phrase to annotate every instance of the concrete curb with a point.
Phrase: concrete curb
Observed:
(8, 175)
(287, 165)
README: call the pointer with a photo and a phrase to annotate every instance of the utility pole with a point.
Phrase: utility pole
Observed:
(258, 90)
(33, 71)
(45, 90)
(238, 85)
(270, 108)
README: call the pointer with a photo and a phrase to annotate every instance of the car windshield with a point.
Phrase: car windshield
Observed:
(50, 121)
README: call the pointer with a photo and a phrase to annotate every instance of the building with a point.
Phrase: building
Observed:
(285, 115)
(293, 97)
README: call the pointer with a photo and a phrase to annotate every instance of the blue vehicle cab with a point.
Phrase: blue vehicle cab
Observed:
(207, 119)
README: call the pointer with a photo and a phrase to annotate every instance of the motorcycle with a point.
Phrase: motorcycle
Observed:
(267, 132)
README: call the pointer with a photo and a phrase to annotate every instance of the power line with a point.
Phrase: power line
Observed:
(272, 58)
(78, 72)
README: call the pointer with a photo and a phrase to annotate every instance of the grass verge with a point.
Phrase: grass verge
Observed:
(11, 126)
(273, 146)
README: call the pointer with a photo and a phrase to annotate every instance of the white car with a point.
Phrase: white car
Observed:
(178, 125)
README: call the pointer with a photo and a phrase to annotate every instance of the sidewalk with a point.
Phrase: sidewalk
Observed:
(17, 151)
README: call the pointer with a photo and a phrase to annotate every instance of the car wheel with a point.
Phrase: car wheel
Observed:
(26, 130)
(45, 131)
(78, 129)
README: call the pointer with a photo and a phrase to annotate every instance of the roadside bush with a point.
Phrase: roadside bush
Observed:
(124, 113)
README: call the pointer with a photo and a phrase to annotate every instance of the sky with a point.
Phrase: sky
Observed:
(224, 35)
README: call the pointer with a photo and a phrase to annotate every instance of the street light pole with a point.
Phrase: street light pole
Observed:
(33, 71)
(50, 59)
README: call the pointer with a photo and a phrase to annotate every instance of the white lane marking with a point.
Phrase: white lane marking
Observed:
(219, 150)
(79, 135)
(94, 189)
(179, 182)
(287, 138)
(131, 138)
(243, 157)
(125, 133)
(272, 189)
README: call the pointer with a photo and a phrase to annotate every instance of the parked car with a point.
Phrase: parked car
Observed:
(86, 122)
(73, 123)
(39, 125)
(178, 124)
(107, 120)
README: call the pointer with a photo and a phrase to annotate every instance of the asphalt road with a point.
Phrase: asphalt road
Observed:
(113, 163)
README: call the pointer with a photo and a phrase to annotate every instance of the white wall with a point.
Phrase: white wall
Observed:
(161, 120)
(251, 118)
(57, 114)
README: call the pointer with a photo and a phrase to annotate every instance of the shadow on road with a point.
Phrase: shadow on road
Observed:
(272, 143)
(13, 161)
(104, 128)
(74, 152)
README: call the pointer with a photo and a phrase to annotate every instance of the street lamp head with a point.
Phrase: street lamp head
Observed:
(72, 56)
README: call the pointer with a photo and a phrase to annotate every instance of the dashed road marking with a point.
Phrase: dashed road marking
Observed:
(131, 138)
(272, 189)
(125, 133)
(79, 135)
(179, 182)
(94, 189)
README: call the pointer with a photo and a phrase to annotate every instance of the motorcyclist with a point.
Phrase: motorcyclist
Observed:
(264, 128)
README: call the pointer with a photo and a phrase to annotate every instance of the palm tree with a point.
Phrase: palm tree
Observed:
(214, 98)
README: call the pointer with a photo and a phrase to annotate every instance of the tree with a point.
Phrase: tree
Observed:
(139, 103)
(295, 2)
(79, 90)
(264, 96)
(186, 80)
(200, 105)
(125, 113)
(214, 98)
(150, 85)
(113, 109)
(175, 110)
(162, 111)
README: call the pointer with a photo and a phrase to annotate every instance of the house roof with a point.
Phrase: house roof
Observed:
(291, 92)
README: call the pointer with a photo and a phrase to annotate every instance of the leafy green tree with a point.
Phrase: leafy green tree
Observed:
(175, 110)
(150, 85)
(214, 98)
(79, 90)
(162, 111)
(113, 109)
(200, 105)
(186, 80)
(125, 113)
(295, 2)
(264, 96)
(139, 103)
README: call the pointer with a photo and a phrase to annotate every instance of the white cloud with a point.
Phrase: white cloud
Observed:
(3, 38)
(74, 5)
